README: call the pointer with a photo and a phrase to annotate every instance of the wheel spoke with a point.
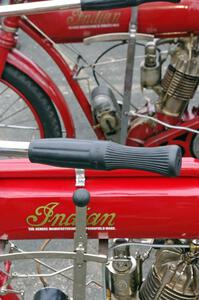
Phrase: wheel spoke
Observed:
(18, 127)
(9, 107)
(14, 113)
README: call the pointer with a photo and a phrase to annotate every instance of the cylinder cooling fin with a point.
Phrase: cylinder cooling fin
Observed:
(174, 276)
(179, 85)
(178, 89)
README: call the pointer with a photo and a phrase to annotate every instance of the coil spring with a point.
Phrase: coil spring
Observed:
(179, 85)
(152, 285)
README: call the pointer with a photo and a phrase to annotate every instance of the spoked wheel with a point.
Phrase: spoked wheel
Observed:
(26, 111)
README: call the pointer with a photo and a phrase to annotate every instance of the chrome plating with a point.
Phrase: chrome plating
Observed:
(37, 7)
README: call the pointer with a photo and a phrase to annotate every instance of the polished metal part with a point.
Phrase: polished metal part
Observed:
(80, 177)
(106, 111)
(129, 75)
(81, 199)
(150, 67)
(178, 89)
(121, 273)
(80, 246)
(181, 78)
(118, 36)
(37, 7)
(135, 114)
(51, 255)
(13, 148)
(174, 276)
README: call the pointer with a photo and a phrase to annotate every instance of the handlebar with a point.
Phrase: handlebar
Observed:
(103, 155)
(109, 4)
(46, 6)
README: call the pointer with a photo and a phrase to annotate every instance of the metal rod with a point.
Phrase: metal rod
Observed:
(37, 7)
(129, 75)
(52, 255)
(80, 264)
(14, 148)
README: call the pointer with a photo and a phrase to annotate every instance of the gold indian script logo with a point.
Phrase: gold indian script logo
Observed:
(97, 19)
(45, 215)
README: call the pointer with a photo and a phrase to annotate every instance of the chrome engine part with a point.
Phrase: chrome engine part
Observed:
(179, 84)
(105, 109)
(174, 276)
(150, 67)
(181, 78)
(121, 274)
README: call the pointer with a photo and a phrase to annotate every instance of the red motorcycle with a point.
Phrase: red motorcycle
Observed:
(135, 208)
(160, 215)
(169, 118)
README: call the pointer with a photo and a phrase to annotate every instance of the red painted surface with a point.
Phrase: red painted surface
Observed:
(10, 296)
(27, 66)
(173, 136)
(144, 204)
(144, 133)
(154, 18)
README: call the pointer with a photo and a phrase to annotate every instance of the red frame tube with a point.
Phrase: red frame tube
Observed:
(65, 69)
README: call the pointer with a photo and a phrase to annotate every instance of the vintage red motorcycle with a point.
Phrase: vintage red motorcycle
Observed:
(136, 208)
(170, 119)
(161, 214)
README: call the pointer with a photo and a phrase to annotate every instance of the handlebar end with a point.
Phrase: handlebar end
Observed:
(175, 161)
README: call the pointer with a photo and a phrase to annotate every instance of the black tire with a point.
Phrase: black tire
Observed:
(36, 99)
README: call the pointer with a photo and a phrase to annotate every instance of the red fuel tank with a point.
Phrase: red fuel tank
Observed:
(36, 202)
(160, 19)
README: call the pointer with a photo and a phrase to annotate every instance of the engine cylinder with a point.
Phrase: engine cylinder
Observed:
(178, 89)
(174, 276)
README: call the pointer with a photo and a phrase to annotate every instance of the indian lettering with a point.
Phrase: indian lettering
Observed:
(79, 18)
(46, 215)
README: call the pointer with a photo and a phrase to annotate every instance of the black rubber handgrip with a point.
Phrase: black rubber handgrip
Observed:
(102, 155)
(109, 4)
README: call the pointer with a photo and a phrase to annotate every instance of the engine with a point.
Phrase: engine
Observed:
(174, 275)
(179, 84)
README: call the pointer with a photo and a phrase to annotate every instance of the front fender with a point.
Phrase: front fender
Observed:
(31, 69)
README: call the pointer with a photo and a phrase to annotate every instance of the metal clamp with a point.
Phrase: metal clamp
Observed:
(80, 177)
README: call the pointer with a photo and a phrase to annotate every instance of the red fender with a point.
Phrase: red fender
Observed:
(24, 64)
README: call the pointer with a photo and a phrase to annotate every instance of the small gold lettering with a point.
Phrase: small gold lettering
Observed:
(45, 216)
(79, 18)
(42, 215)
(57, 219)
(70, 221)
(109, 218)
(93, 219)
